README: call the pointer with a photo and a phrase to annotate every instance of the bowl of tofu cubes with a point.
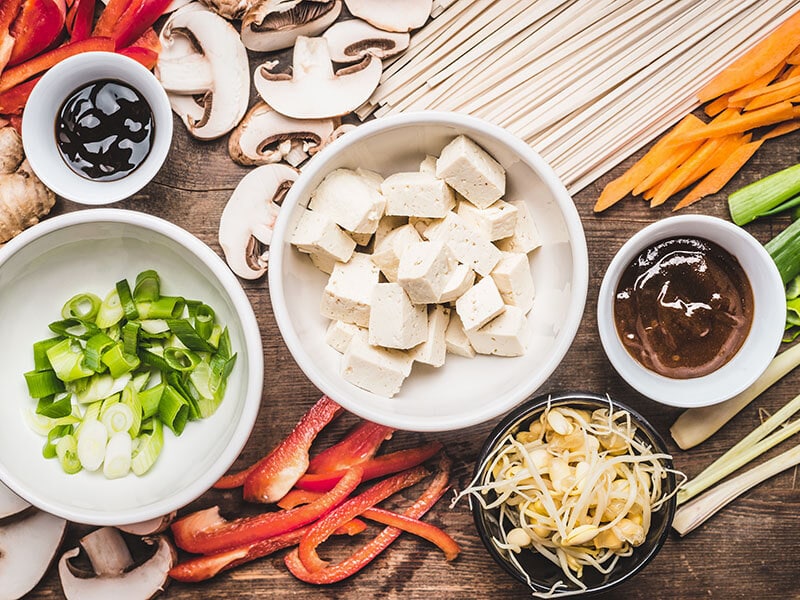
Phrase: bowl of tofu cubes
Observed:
(428, 271)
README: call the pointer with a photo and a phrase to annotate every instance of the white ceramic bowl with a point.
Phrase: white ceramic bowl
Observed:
(89, 251)
(760, 345)
(41, 111)
(464, 391)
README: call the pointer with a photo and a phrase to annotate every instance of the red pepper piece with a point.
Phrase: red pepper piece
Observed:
(13, 101)
(36, 28)
(322, 529)
(149, 39)
(135, 22)
(144, 56)
(373, 468)
(419, 528)
(297, 497)
(364, 555)
(8, 12)
(111, 14)
(79, 19)
(206, 532)
(360, 444)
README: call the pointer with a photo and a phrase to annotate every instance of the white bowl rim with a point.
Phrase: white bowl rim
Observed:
(572, 222)
(699, 391)
(251, 343)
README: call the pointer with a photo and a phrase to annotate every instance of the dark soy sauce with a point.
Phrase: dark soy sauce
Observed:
(104, 130)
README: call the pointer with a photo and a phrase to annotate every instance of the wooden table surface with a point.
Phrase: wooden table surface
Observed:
(748, 550)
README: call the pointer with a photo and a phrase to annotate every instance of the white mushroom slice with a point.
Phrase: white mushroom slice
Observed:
(276, 24)
(175, 5)
(28, 545)
(224, 103)
(392, 15)
(229, 9)
(349, 41)
(266, 136)
(150, 527)
(10, 503)
(185, 75)
(114, 573)
(248, 218)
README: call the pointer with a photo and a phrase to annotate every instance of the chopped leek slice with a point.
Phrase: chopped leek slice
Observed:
(66, 357)
(41, 424)
(783, 250)
(54, 408)
(42, 384)
(173, 410)
(147, 448)
(117, 460)
(180, 359)
(188, 335)
(166, 307)
(111, 311)
(56, 433)
(40, 360)
(81, 306)
(74, 328)
(147, 287)
(150, 399)
(117, 418)
(95, 347)
(154, 326)
(126, 300)
(101, 387)
(67, 453)
(118, 362)
(130, 398)
(92, 438)
(755, 199)
(130, 337)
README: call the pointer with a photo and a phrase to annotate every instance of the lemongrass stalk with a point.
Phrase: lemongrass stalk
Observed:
(695, 513)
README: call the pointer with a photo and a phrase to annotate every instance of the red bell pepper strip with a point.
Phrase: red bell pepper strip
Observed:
(149, 39)
(23, 72)
(143, 56)
(360, 444)
(322, 529)
(206, 532)
(296, 497)
(364, 555)
(373, 468)
(135, 22)
(37, 27)
(8, 12)
(79, 19)
(111, 14)
(13, 101)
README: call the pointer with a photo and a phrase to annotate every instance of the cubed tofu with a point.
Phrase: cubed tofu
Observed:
(424, 270)
(526, 235)
(512, 275)
(387, 224)
(348, 293)
(387, 253)
(375, 369)
(497, 221)
(472, 172)
(505, 335)
(456, 339)
(432, 351)
(469, 245)
(417, 194)
(361, 239)
(371, 177)
(428, 165)
(350, 200)
(317, 234)
(394, 322)
(461, 279)
(339, 334)
(322, 262)
(421, 224)
(480, 304)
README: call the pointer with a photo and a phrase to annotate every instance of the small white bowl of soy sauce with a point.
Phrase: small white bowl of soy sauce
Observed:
(97, 128)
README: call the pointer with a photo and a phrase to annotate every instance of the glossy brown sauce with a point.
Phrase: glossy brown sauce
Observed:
(104, 130)
(683, 307)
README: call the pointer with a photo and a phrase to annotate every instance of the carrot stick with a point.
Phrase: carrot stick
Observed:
(717, 179)
(773, 97)
(782, 129)
(675, 181)
(757, 83)
(771, 51)
(748, 94)
(794, 57)
(770, 115)
(713, 108)
(671, 161)
(729, 144)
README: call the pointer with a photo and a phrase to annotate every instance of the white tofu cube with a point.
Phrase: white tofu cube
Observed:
(417, 194)
(432, 351)
(350, 200)
(371, 177)
(387, 253)
(362, 239)
(424, 270)
(317, 234)
(387, 224)
(421, 224)
(469, 169)
(339, 334)
(512, 275)
(456, 339)
(428, 165)
(461, 279)
(505, 335)
(375, 369)
(497, 221)
(469, 245)
(394, 322)
(348, 293)
(322, 262)
(526, 235)
(480, 304)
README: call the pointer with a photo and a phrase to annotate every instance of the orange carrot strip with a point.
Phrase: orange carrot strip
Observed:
(671, 161)
(757, 83)
(794, 57)
(729, 144)
(717, 179)
(749, 94)
(762, 57)
(782, 129)
(773, 97)
(770, 115)
(713, 108)
(675, 181)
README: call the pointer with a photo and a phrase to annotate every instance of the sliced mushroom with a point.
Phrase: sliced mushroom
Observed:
(229, 9)
(114, 573)
(196, 35)
(392, 15)
(10, 503)
(150, 527)
(314, 90)
(28, 544)
(247, 221)
(349, 41)
(275, 24)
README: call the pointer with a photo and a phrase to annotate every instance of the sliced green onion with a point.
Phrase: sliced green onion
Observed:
(204, 320)
(147, 448)
(42, 425)
(95, 347)
(126, 300)
(147, 286)
(188, 335)
(118, 362)
(181, 359)
(67, 453)
(42, 384)
(179, 383)
(141, 380)
(66, 357)
(92, 438)
(216, 334)
(74, 328)
(117, 418)
(783, 249)
(101, 387)
(173, 410)
(166, 307)
(82, 306)
(754, 200)
(111, 311)
(117, 460)
(56, 433)
(130, 337)
(150, 400)
(154, 326)
(54, 408)
(793, 288)
(40, 360)
(92, 413)
(130, 398)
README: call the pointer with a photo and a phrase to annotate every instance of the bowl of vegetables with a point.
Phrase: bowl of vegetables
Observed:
(133, 371)
(573, 493)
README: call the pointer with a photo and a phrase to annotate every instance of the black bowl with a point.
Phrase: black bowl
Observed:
(543, 573)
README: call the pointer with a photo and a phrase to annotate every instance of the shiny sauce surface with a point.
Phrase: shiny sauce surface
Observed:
(104, 130)
(683, 307)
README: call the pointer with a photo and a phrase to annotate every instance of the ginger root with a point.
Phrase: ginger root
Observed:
(23, 198)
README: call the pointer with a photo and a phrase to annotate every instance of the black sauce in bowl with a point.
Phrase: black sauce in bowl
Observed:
(104, 130)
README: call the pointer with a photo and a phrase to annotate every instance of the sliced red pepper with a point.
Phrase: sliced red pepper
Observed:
(296, 497)
(13, 101)
(79, 19)
(149, 39)
(135, 22)
(360, 444)
(143, 56)
(364, 555)
(206, 532)
(111, 14)
(322, 529)
(373, 468)
(8, 12)
(37, 27)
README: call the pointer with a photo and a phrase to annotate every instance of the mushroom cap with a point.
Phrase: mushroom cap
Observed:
(275, 24)
(349, 41)
(248, 218)
(314, 90)
(229, 9)
(10, 503)
(392, 15)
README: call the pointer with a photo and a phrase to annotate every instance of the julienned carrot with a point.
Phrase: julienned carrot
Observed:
(770, 97)
(672, 158)
(729, 144)
(713, 108)
(717, 179)
(771, 51)
(783, 111)
(748, 93)
(794, 57)
(769, 77)
(781, 129)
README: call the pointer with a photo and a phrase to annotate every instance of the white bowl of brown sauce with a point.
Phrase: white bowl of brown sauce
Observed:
(691, 310)
(97, 128)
